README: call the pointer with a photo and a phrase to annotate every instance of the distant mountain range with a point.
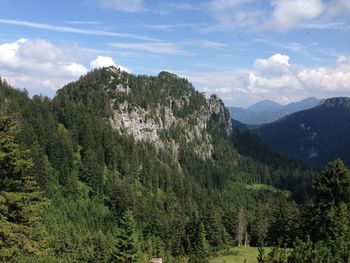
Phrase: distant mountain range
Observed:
(318, 135)
(267, 111)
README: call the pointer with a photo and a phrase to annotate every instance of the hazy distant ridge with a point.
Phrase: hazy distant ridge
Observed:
(267, 111)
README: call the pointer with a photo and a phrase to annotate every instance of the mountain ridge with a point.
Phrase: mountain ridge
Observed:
(318, 135)
(268, 111)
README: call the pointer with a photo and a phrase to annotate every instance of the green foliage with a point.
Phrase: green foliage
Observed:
(329, 222)
(22, 235)
(277, 255)
(201, 247)
(127, 244)
(115, 199)
(333, 186)
(284, 225)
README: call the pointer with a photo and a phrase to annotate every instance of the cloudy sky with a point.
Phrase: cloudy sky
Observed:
(242, 50)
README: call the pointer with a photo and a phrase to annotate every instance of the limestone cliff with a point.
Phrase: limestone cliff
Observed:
(164, 110)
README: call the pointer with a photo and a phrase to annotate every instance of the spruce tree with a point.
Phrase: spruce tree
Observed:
(127, 245)
(332, 190)
(329, 219)
(22, 236)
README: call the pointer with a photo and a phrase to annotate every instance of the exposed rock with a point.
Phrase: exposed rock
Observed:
(217, 107)
(121, 88)
(144, 125)
(161, 126)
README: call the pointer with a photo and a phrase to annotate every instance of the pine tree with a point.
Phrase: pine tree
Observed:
(21, 203)
(127, 246)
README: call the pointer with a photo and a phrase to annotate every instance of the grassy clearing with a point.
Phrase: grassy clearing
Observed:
(238, 255)
(267, 187)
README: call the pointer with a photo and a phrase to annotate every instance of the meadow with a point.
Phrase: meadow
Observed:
(237, 255)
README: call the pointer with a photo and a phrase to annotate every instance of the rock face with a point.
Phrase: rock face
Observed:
(217, 107)
(162, 125)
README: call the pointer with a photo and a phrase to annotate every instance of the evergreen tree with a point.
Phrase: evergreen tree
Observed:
(100, 250)
(284, 226)
(201, 252)
(329, 219)
(127, 245)
(332, 203)
(22, 235)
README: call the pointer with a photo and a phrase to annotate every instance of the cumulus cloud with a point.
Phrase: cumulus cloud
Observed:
(276, 65)
(277, 79)
(124, 6)
(43, 67)
(103, 61)
(39, 63)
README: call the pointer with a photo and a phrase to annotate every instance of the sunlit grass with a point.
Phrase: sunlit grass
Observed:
(238, 255)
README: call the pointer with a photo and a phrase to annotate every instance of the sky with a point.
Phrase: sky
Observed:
(242, 50)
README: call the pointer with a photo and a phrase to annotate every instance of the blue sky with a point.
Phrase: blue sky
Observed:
(242, 50)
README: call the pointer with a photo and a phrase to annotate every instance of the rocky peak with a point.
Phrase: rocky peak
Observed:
(164, 110)
(217, 108)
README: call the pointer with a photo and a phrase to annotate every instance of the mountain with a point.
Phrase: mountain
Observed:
(135, 167)
(165, 111)
(267, 111)
(317, 135)
(264, 105)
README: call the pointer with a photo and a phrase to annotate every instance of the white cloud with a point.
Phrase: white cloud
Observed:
(124, 5)
(76, 69)
(74, 30)
(234, 14)
(43, 67)
(278, 79)
(289, 14)
(185, 47)
(276, 65)
(281, 15)
(338, 8)
(38, 64)
(153, 47)
(103, 61)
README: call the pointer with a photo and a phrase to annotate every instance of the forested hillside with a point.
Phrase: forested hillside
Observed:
(318, 135)
(124, 168)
